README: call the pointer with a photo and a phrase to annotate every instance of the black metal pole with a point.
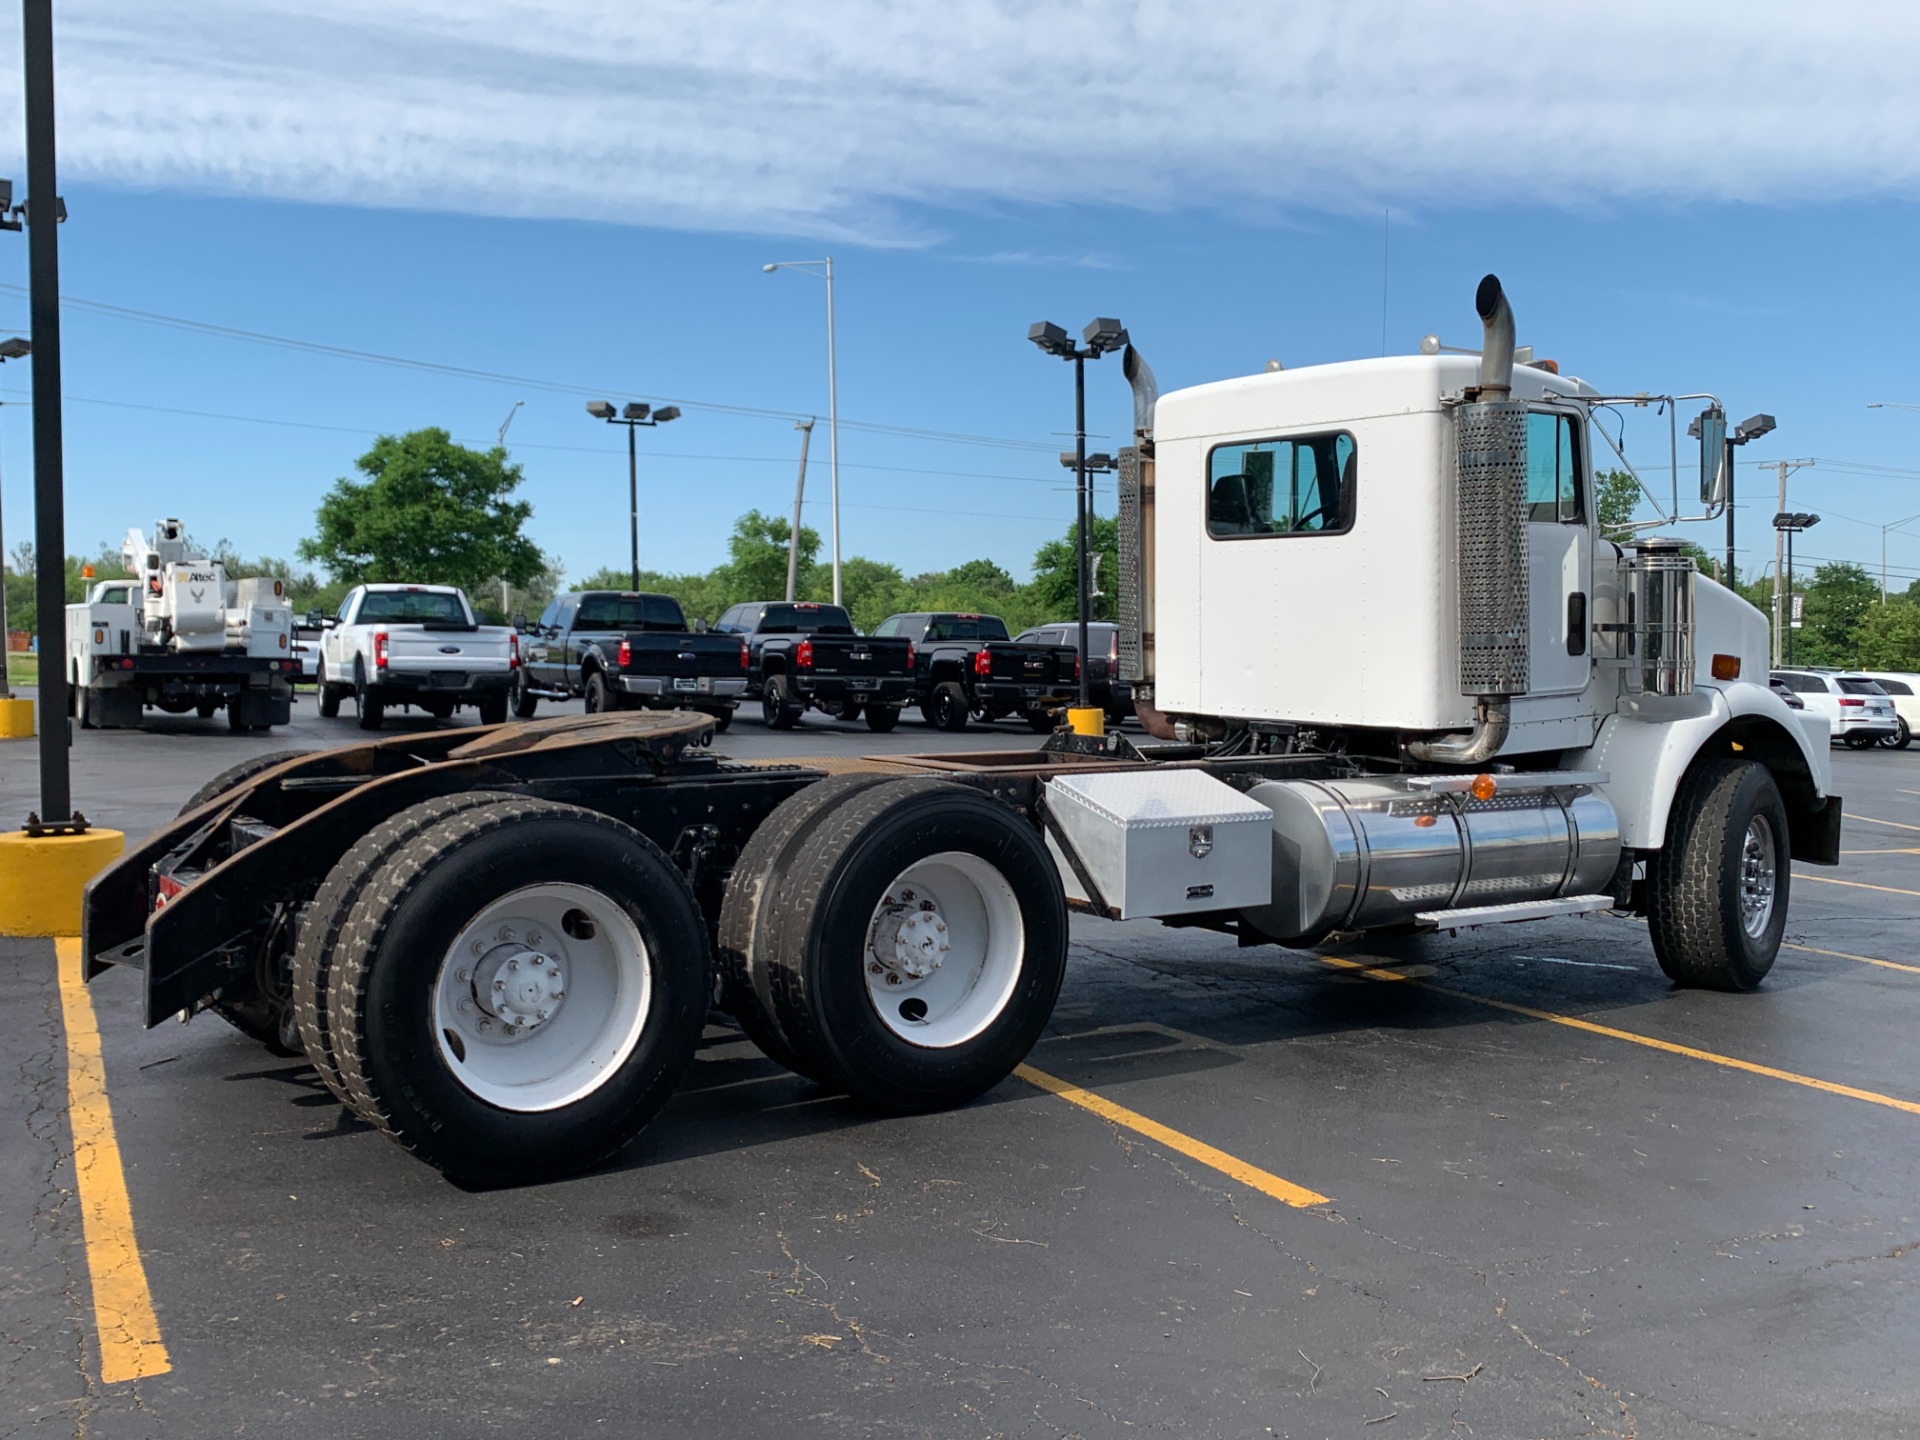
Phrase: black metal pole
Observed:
(1081, 506)
(1790, 598)
(50, 527)
(633, 502)
(1730, 579)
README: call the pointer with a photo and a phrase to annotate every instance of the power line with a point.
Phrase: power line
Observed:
(462, 372)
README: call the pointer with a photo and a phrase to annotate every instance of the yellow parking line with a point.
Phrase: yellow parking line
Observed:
(1854, 884)
(1572, 1022)
(1285, 1191)
(1889, 850)
(1843, 955)
(1895, 824)
(130, 1343)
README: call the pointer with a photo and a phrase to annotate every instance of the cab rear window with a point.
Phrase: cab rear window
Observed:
(1860, 687)
(805, 620)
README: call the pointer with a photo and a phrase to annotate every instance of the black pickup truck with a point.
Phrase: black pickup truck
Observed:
(620, 649)
(801, 655)
(969, 666)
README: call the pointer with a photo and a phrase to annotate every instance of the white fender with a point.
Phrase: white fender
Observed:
(1648, 743)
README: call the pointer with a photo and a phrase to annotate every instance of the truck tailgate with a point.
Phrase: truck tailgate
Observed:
(681, 656)
(411, 648)
(1029, 664)
(859, 655)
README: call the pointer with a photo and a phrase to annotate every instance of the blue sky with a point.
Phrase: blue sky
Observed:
(584, 196)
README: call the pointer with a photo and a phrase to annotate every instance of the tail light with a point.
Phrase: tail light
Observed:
(513, 650)
(165, 888)
(626, 653)
(803, 654)
(912, 654)
(1852, 701)
(379, 649)
(983, 662)
(746, 661)
(1113, 649)
(1076, 664)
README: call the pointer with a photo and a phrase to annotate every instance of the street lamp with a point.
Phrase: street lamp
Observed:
(17, 349)
(633, 415)
(824, 269)
(1893, 525)
(1101, 336)
(1790, 523)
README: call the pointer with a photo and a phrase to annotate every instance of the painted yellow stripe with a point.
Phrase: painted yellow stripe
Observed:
(1889, 850)
(1854, 884)
(1843, 955)
(130, 1343)
(1895, 824)
(1573, 1022)
(1285, 1191)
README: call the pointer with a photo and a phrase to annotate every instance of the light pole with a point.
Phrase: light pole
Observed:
(18, 349)
(1790, 523)
(1752, 428)
(1101, 336)
(1783, 468)
(824, 268)
(632, 415)
(1895, 525)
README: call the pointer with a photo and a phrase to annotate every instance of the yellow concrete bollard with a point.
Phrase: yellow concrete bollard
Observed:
(16, 719)
(42, 878)
(1091, 721)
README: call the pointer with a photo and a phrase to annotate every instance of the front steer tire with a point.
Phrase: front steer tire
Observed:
(401, 938)
(878, 874)
(1717, 892)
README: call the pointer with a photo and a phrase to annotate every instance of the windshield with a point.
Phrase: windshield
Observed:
(420, 605)
(966, 627)
(806, 620)
(630, 612)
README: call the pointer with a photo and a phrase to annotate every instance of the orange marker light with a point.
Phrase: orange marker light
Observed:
(1726, 667)
(1482, 788)
(1423, 822)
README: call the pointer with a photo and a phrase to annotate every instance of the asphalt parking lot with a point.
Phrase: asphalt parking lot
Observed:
(1504, 1184)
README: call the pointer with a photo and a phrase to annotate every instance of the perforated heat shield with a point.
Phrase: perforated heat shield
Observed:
(1491, 492)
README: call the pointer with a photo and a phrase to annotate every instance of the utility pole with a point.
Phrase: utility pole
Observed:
(805, 427)
(1783, 468)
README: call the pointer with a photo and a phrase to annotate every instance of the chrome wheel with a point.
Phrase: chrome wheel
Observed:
(1758, 878)
(542, 997)
(944, 950)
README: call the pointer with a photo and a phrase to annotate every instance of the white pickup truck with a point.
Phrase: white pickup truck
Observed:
(415, 645)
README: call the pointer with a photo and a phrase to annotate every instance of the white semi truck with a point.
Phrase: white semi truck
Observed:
(180, 636)
(1397, 680)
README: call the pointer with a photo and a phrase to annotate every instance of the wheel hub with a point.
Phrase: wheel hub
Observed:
(519, 985)
(909, 938)
(1757, 877)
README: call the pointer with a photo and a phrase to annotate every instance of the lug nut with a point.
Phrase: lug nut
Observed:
(485, 1025)
(461, 973)
(499, 985)
(533, 937)
(466, 1007)
(892, 978)
(514, 964)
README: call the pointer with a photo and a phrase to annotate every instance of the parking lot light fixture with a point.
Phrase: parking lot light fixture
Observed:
(633, 415)
(1791, 523)
(1101, 335)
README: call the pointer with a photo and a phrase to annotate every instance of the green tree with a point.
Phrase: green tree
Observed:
(428, 511)
(1838, 598)
(1616, 495)
(1053, 593)
(1888, 637)
(756, 567)
(870, 589)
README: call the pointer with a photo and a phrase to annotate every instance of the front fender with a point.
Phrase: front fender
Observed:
(1649, 743)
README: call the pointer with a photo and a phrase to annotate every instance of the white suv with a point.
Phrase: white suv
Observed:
(1904, 690)
(1858, 711)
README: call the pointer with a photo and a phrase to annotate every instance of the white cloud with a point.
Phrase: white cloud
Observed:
(866, 118)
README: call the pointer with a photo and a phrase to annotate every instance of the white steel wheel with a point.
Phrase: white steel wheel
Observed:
(944, 950)
(542, 997)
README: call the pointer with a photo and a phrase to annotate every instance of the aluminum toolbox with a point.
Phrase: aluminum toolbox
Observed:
(1167, 842)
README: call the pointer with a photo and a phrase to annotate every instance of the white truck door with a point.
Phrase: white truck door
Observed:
(1559, 553)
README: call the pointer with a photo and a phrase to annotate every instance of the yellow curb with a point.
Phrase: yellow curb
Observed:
(16, 719)
(42, 879)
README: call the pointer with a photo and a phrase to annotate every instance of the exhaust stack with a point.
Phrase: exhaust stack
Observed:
(1490, 495)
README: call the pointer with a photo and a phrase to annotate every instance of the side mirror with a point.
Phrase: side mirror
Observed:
(1713, 456)
(699, 626)
(519, 621)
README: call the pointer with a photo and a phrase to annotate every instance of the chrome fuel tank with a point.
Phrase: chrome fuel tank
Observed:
(1361, 854)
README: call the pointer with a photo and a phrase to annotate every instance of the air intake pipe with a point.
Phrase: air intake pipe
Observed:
(1490, 496)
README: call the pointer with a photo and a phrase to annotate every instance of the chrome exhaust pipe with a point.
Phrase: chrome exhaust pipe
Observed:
(1496, 353)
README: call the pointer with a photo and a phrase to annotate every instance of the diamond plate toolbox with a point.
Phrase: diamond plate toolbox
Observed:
(1167, 842)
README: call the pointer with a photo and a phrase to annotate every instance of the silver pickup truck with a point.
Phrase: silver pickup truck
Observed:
(415, 645)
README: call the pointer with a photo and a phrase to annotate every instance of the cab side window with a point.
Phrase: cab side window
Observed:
(1300, 485)
(1555, 494)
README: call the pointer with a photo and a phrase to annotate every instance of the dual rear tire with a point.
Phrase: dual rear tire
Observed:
(903, 940)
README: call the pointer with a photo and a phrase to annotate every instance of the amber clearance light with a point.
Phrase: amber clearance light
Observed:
(1726, 667)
